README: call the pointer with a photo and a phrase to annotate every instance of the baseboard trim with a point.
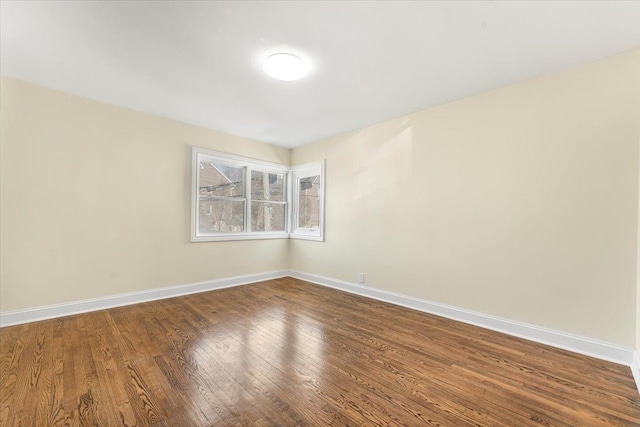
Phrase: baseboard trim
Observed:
(16, 317)
(578, 344)
(635, 368)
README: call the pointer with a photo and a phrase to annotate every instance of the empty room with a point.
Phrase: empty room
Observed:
(319, 213)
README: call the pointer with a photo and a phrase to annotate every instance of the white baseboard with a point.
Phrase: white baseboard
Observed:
(635, 368)
(578, 344)
(76, 307)
(587, 346)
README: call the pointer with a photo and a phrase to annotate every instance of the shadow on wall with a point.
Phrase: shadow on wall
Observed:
(382, 160)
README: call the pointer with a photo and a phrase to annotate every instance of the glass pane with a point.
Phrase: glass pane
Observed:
(221, 216)
(309, 202)
(267, 216)
(267, 186)
(220, 180)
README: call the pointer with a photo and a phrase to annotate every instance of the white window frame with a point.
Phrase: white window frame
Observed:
(292, 180)
(304, 171)
(202, 154)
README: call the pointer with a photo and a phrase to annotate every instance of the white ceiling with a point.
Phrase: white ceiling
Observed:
(200, 62)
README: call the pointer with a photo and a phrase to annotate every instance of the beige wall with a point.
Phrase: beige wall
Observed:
(96, 201)
(637, 325)
(521, 202)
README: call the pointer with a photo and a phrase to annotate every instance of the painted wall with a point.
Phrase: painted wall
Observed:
(95, 201)
(521, 202)
(637, 325)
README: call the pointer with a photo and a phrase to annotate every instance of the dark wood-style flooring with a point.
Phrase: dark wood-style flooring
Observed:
(285, 353)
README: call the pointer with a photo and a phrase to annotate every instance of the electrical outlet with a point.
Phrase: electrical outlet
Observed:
(360, 277)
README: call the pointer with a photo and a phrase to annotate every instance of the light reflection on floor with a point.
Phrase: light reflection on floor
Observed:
(256, 352)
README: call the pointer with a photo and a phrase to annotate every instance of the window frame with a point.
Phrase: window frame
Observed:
(304, 171)
(292, 177)
(248, 164)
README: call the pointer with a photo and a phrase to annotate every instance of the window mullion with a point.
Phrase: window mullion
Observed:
(233, 199)
(275, 202)
(247, 195)
(287, 213)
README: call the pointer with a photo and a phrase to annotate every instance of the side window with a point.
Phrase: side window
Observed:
(308, 201)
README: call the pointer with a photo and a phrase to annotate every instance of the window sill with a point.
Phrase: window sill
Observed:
(306, 237)
(255, 236)
(244, 236)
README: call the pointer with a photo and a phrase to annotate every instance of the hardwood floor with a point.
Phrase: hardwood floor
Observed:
(285, 353)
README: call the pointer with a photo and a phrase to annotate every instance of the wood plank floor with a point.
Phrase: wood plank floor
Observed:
(285, 353)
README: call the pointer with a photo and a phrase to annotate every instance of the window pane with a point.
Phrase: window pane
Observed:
(267, 216)
(221, 215)
(267, 186)
(220, 180)
(309, 202)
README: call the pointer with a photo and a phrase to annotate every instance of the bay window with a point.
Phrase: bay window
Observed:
(237, 198)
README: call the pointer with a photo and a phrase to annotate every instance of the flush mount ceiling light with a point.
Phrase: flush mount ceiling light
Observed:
(285, 66)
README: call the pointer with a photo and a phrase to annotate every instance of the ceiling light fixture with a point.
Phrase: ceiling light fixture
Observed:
(285, 66)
